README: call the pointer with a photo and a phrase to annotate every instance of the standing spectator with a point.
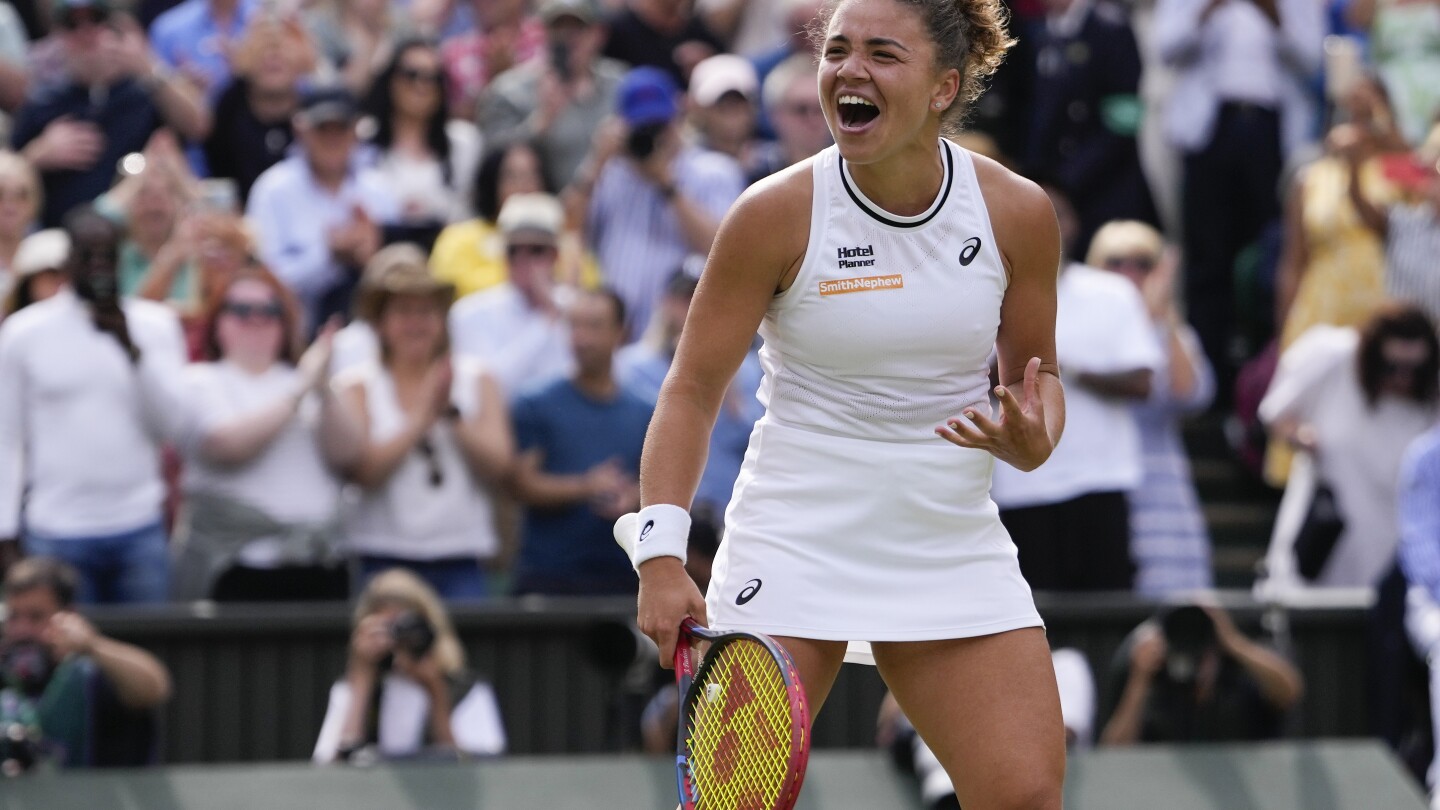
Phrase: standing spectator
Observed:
(260, 516)
(1420, 560)
(1190, 675)
(425, 158)
(724, 100)
(658, 202)
(1242, 103)
(1069, 518)
(253, 113)
(792, 106)
(664, 34)
(19, 204)
(89, 387)
(517, 328)
(197, 37)
(1405, 47)
(94, 697)
(471, 254)
(1086, 113)
(558, 102)
(641, 367)
(405, 688)
(39, 270)
(433, 434)
(316, 213)
(1410, 227)
(209, 249)
(114, 95)
(356, 38)
(574, 490)
(147, 205)
(1168, 538)
(1384, 377)
(506, 33)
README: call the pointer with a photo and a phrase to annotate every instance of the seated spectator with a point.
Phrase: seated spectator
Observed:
(253, 113)
(724, 100)
(1353, 400)
(557, 103)
(518, 329)
(94, 697)
(792, 107)
(575, 490)
(641, 367)
(19, 205)
(425, 157)
(355, 38)
(89, 388)
(1169, 542)
(260, 519)
(39, 270)
(1070, 518)
(196, 38)
(506, 33)
(471, 254)
(405, 692)
(316, 213)
(1190, 675)
(433, 434)
(114, 95)
(655, 201)
(1420, 562)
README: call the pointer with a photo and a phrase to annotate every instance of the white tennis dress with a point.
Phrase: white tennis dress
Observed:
(851, 520)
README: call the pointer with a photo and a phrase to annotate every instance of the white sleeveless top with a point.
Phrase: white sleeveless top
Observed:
(410, 517)
(886, 330)
(851, 519)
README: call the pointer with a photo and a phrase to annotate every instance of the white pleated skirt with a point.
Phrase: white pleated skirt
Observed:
(855, 540)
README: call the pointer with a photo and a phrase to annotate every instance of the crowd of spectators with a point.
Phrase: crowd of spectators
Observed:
(298, 293)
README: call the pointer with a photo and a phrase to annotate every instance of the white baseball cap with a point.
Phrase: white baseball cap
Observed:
(721, 74)
(45, 250)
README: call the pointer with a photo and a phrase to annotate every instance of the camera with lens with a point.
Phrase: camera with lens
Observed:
(25, 671)
(1189, 633)
(412, 633)
(642, 140)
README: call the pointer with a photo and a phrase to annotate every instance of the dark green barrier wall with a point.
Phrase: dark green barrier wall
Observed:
(252, 681)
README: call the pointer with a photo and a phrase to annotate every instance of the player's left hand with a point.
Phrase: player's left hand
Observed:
(1019, 437)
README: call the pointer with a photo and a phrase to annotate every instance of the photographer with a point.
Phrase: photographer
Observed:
(92, 697)
(655, 199)
(404, 689)
(1190, 675)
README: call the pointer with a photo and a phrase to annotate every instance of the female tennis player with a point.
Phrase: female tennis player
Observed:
(880, 273)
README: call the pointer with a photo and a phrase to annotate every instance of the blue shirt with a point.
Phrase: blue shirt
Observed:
(1420, 512)
(570, 549)
(189, 38)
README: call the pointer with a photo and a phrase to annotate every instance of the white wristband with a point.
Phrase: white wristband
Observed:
(659, 530)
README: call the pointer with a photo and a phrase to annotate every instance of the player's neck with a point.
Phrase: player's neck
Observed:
(905, 183)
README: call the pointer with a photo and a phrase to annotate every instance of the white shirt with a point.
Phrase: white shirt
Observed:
(1101, 327)
(419, 186)
(288, 479)
(1236, 54)
(521, 347)
(80, 427)
(293, 216)
(404, 715)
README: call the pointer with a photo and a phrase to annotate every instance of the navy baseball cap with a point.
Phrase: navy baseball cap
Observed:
(648, 96)
(329, 104)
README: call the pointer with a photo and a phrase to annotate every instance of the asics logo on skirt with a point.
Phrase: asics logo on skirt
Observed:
(751, 588)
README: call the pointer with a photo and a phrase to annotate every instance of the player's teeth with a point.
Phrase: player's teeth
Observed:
(855, 100)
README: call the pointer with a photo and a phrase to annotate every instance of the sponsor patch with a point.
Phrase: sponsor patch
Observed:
(863, 284)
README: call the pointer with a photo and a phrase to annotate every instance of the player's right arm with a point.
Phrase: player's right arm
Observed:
(758, 249)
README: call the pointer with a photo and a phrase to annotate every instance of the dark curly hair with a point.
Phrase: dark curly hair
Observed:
(1399, 320)
(970, 36)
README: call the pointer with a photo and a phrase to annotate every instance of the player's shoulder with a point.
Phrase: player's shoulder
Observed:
(786, 194)
(1021, 215)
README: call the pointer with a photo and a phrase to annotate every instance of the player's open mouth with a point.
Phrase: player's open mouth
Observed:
(855, 112)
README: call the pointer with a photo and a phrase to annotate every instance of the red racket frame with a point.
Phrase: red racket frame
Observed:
(685, 676)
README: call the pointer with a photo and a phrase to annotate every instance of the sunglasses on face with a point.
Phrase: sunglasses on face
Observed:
(418, 75)
(529, 251)
(246, 311)
(76, 19)
(1140, 264)
(1404, 367)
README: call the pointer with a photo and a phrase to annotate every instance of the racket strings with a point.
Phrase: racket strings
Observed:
(740, 730)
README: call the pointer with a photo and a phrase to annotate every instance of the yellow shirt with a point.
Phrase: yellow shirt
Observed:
(471, 255)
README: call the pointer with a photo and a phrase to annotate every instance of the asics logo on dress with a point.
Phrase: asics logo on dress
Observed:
(751, 588)
(645, 531)
(856, 256)
(968, 251)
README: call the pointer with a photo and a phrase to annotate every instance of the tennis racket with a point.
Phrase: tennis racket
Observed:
(743, 735)
(744, 729)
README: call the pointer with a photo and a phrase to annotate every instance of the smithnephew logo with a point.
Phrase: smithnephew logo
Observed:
(863, 284)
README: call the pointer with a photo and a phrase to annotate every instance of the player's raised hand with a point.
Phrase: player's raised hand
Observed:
(1019, 437)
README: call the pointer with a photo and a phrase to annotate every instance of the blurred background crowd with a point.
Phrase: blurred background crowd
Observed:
(373, 299)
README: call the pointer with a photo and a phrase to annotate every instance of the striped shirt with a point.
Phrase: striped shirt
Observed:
(635, 232)
(1420, 513)
(1413, 242)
